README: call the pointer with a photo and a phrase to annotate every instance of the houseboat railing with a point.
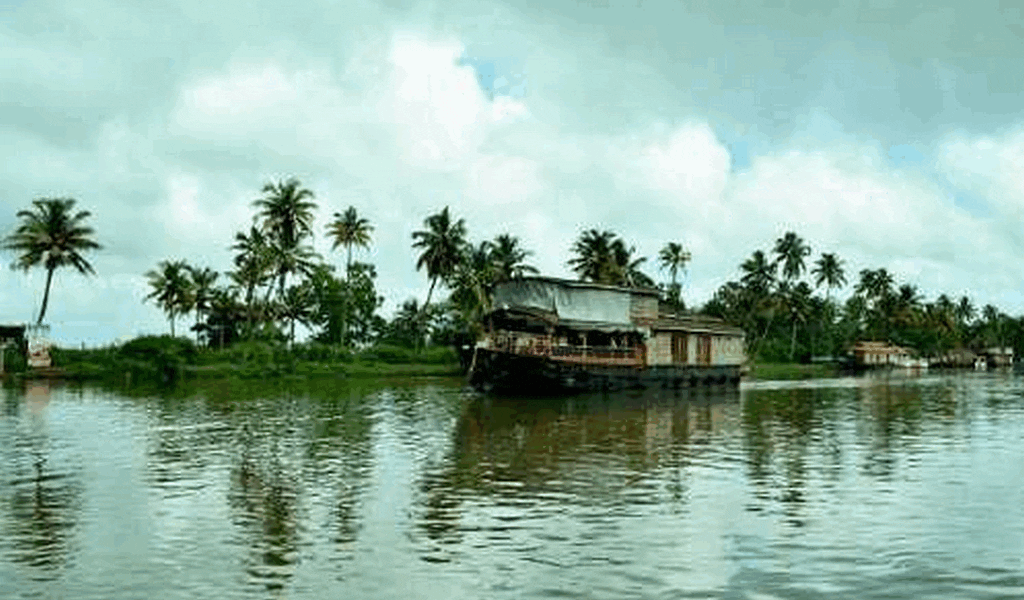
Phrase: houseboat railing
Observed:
(542, 345)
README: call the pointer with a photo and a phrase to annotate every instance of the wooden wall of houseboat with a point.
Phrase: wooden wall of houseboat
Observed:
(727, 350)
(643, 308)
(723, 350)
(659, 349)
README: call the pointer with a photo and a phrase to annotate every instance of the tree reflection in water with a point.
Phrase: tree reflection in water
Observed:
(595, 451)
(43, 500)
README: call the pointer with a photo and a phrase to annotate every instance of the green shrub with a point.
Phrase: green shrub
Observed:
(162, 348)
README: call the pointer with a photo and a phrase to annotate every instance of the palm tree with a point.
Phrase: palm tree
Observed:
(965, 310)
(297, 304)
(441, 244)
(790, 250)
(202, 288)
(253, 262)
(508, 258)
(349, 229)
(674, 258)
(758, 273)
(52, 236)
(829, 270)
(172, 289)
(473, 280)
(286, 214)
(592, 260)
(602, 257)
(626, 269)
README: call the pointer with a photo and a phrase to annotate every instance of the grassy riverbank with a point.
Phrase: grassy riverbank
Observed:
(172, 359)
(791, 371)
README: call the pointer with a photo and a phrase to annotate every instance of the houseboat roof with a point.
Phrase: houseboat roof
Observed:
(572, 283)
(697, 324)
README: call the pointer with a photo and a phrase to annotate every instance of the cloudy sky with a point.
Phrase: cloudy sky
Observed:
(889, 134)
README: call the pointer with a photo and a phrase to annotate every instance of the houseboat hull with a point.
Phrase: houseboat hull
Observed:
(515, 373)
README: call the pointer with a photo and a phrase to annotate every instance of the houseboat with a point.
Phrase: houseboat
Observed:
(554, 335)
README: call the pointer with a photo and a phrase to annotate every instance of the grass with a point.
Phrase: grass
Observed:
(165, 359)
(791, 371)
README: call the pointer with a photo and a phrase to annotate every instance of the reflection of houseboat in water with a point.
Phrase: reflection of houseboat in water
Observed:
(556, 335)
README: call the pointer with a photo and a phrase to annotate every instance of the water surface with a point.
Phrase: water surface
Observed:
(883, 487)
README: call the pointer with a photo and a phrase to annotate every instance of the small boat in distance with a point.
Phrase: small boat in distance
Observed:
(553, 335)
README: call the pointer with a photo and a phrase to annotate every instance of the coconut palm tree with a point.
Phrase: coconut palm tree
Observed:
(603, 257)
(790, 251)
(51, 235)
(286, 214)
(965, 310)
(441, 244)
(473, 281)
(593, 256)
(829, 270)
(297, 304)
(508, 258)
(674, 258)
(758, 273)
(253, 263)
(626, 269)
(349, 229)
(202, 291)
(172, 288)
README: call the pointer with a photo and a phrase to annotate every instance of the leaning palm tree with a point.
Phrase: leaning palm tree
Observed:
(172, 288)
(790, 250)
(508, 258)
(349, 229)
(286, 213)
(52, 236)
(441, 244)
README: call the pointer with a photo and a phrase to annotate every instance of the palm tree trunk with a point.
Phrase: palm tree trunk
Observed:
(792, 343)
(348, 293)
(423, 311)
(172, 323)
(46, 296)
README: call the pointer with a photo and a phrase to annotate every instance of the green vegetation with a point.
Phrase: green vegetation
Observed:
(785, 320)
(789, 371)
(51, 236)
(164, 359)
(245, 323)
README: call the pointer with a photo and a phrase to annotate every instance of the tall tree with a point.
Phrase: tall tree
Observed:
(440, 243)
(509, 258)
(593, 256)
(790, 250)
(172, 288)
(965, 311)
(603, 257)
(286, 213)
(253, 264)
(758, 273)
(349, 229)
(674, 257)
(829, 270)
(202, 291)
(51, 235)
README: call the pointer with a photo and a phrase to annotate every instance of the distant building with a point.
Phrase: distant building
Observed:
(997, 357)
(878, 354)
